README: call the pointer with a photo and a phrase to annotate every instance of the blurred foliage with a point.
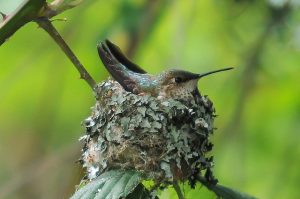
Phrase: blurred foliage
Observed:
(42, 100)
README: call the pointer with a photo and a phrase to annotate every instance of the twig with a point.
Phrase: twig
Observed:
(46, 24)
(177, 189)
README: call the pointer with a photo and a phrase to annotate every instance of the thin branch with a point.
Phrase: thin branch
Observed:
(177, 189)
(46, 24)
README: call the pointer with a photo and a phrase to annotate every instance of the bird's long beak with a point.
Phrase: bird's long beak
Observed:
(214, 71)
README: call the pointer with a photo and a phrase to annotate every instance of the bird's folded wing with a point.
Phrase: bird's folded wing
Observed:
(110, 56)
(116, 51)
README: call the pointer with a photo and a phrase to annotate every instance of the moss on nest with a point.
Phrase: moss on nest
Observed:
(166, 139)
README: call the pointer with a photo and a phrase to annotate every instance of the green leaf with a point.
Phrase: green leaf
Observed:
(26, 12)
(61, 5)
(225, 192)
(113, 185)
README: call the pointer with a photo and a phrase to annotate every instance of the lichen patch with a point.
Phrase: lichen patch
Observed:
(165, 139)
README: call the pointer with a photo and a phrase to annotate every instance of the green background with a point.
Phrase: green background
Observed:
(43, 101)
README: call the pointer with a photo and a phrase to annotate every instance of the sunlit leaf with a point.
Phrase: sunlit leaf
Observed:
(113, 185)
(61, 5)
(25, 13)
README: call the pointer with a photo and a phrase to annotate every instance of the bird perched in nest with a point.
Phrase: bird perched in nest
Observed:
(175, 84)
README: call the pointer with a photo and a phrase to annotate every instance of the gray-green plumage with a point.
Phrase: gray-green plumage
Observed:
(176, 84)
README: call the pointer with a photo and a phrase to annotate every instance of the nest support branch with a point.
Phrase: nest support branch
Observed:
(177, 189)
(46, 24)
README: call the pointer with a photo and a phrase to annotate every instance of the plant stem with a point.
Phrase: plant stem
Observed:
(178, 190)
(46, 24)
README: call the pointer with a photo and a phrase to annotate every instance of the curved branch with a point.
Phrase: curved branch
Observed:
(177, 189)
(46, 24)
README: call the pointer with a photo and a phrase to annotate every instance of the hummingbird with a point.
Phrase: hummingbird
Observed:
(175, 84)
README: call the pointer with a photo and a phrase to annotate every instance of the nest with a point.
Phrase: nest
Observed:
(165, 139)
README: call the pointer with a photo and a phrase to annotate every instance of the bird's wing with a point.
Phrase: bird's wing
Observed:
(116, 51)
(116, 68)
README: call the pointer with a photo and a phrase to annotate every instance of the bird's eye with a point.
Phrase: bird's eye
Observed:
(178, 79)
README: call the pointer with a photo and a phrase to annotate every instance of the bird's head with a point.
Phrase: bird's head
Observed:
(179, 83)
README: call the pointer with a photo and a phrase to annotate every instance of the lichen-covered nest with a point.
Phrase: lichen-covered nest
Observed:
(165, 139)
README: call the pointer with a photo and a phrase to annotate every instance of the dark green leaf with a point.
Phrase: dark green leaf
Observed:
(140, 192)
(112, 185)
(25, 13)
